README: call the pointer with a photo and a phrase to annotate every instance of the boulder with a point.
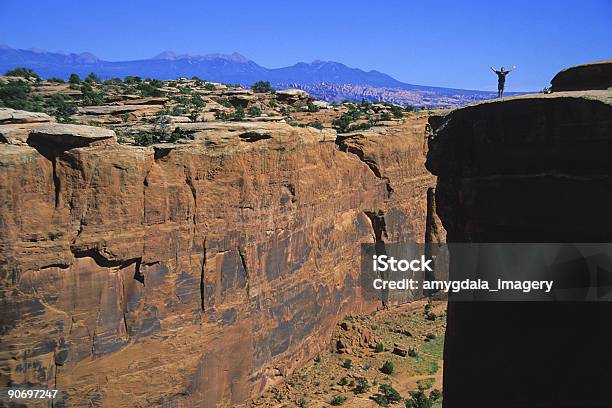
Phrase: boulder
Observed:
(241, 100)
(594, 75)
(321, 104)
(492, 137)
(403, 331)
(8, 115)
(15, 125)
(66, 136)
(292, 93)
(15, 133)
(400, 350)
(293, 97)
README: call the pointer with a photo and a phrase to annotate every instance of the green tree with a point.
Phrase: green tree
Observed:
(143, 138)
(74, 79)
(15, 95)
(397, 111)
(114, 81)
(90, 97)
(418, 399)
(62, 107)
(132, 80)
(342, 123)
(362, 386)
(193, 115)
(316, 124)
(390, 392)
(225, 102)
(155, 82)
(23, 73)
(435, 394)
(149, 90)
(388, 367)
(254, 111)
(385, 116)
(311, 107)
(92, 78)
(338, 400)
(387, 394)
(178, 111)
(262, 87)
(353, 113)
(162, 128)
(238, 114)
(197, 101)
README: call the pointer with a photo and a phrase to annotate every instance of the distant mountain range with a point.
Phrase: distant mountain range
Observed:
(327, 80)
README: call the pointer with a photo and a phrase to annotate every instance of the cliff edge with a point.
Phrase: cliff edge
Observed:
(533, 168)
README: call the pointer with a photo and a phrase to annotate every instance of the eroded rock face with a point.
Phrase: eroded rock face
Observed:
(534, 168)
(195, 273)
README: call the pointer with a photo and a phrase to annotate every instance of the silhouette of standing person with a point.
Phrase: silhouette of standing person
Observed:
(501, 80)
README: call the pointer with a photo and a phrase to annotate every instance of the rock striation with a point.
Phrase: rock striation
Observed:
(533, 168)
(196, 273)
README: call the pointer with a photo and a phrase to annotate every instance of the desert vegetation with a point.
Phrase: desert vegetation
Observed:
(375, 374)
(145, 111)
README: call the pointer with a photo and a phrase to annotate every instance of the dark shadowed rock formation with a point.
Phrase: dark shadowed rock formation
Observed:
(595, 75)
(535, 168)
(196, 273)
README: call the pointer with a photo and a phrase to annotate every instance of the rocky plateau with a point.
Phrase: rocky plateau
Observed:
(205, 265)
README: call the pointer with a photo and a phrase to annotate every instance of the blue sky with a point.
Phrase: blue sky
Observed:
(441, 43)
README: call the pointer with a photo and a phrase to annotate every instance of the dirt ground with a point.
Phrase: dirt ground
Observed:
(418, 326)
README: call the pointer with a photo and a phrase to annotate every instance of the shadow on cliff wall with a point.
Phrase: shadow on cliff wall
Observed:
(533, 168)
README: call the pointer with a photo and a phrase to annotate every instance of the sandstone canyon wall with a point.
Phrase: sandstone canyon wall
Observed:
(534, 168)
(190, 274)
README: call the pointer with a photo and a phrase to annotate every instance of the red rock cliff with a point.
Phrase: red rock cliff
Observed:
(197, 273)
